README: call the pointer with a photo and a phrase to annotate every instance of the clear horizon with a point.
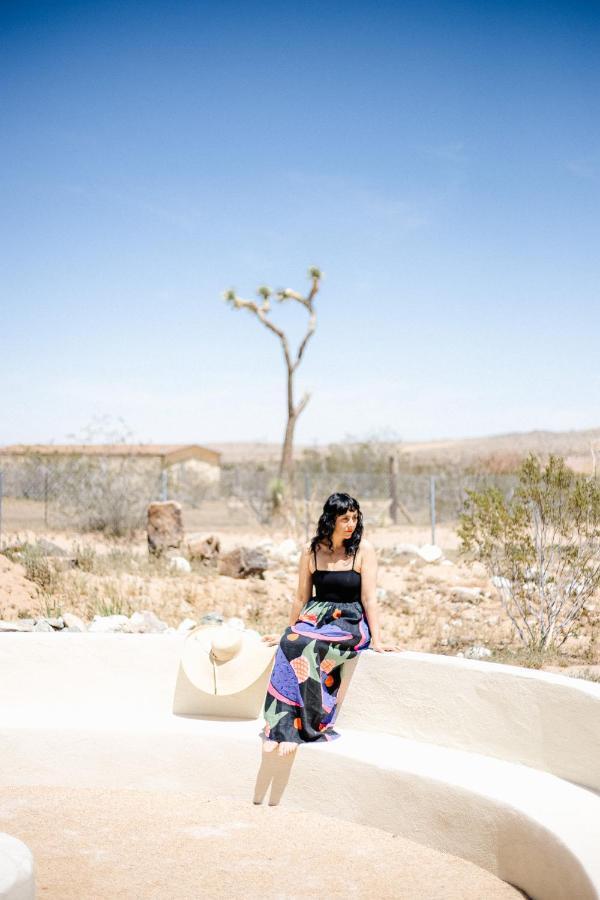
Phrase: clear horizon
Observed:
(439, 161)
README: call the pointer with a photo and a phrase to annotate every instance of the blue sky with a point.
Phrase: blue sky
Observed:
(439, 161)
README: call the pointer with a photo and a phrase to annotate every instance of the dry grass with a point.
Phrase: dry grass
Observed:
(418, 609)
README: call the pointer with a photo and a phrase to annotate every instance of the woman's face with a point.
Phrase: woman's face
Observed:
(345, 525)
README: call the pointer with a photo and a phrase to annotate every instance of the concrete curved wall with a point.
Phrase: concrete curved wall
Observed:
(439, 749)
(536, 718)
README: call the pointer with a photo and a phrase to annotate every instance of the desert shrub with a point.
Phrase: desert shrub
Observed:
(541, 546)
(42, 571)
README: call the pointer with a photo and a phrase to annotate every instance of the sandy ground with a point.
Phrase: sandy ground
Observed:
(94, 844)
(421, 607)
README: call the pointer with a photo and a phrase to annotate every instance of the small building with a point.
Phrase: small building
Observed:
(177, 461)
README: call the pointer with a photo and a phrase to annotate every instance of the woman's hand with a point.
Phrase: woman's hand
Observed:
(271, 639)
(378, 647)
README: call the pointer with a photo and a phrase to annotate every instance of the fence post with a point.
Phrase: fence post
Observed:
(164, 485)
(46, 497)
(432, 506)
(393, 484)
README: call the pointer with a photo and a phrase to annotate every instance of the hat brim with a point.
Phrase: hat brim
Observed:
(232, 675)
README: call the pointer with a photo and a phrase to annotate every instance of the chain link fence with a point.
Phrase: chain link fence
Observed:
(88, 495)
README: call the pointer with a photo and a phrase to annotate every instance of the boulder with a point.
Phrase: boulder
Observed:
(73, 622)
(164, 526)
(212, 618)
(108, 624)
(243, 562)
(144, 622)
(179, 564)
(477, 652)
(207, 548)
(430, 553)
(462, 594)
(19, 625)
(49, 548)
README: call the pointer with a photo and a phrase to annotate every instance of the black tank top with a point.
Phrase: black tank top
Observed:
(337, 586)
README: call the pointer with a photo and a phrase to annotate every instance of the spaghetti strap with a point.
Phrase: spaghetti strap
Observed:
(315, 556)
(354, 558)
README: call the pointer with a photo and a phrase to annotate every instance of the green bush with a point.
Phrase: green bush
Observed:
(542, 547)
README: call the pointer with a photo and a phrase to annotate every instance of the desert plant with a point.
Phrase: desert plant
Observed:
(541, 547)
(261, 311)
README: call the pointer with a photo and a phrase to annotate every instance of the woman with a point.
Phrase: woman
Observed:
(324, 631)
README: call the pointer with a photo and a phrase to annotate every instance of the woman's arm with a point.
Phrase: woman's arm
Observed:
(368, 596)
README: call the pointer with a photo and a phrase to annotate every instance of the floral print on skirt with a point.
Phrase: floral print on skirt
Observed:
(301, 701)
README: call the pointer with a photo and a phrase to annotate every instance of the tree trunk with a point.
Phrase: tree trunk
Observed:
(286, 465)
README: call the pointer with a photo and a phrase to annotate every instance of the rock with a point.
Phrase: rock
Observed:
(462, 594)
(446, 562)
(430, 553)
(57, 623)
(73, 622)
(48, 548)
(145, 622)
(179, 564)
(235, 622)
(207, 548)
(503, 584)
(20, 625)
(406, 551)
(243, 562)
(107, 624)
(186, 625)
(477, 652)
(42, 625)
(212, 618)
(286, 552)
(164, 526)
(381, 594)
(265, 544)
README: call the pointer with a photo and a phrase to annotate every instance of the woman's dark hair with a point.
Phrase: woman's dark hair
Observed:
(337, 505)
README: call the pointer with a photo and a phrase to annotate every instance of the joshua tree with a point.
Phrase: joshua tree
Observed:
(261, 311)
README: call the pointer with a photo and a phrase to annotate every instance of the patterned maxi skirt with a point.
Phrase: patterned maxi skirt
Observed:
(301, 701)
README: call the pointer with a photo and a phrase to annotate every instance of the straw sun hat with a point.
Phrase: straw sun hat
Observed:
(223, 660)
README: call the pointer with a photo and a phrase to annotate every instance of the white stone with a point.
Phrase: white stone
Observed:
(430, 552)
(477, 652)
(107, 624)
(145, 622)
(179, 564)
(186, 625)
(235, 622)
(466, 594)
(404, 550)
(503, 584)
(73, 622)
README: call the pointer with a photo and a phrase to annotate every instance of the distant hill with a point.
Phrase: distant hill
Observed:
(497, 452)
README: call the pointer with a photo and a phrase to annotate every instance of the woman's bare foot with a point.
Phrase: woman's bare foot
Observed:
(286, 747)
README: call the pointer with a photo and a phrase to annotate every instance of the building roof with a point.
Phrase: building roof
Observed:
(169, 453)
